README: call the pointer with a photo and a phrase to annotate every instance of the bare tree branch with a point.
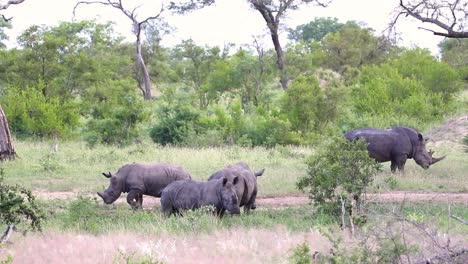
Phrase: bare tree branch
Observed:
(449, 16)
(5, 6)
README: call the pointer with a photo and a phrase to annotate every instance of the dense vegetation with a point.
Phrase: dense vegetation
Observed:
(79, 80)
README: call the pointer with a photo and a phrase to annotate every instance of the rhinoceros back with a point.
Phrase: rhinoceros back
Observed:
(152, 178)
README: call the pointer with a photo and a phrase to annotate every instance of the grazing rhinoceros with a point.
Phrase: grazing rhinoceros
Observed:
(189, 194)
(138, 179)
(246, 186)
(396, 145)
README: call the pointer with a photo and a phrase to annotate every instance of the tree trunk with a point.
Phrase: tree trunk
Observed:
(280, 59)
(144, 71)
(6, 234)
(7, 150)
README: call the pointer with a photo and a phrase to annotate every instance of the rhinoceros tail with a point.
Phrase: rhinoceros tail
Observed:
(260, 172)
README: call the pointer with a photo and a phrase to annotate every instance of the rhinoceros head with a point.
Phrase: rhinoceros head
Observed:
(229, 196)
(422, 157)
(112, 193)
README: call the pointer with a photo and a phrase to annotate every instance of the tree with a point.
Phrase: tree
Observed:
(272, 11)
(316, 29)
(6, 5)
(138, 25)
(7, 150)
(450, 17)
(353, 47)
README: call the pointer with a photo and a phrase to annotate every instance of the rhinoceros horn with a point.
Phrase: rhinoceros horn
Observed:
(108, 175)
(434, 160)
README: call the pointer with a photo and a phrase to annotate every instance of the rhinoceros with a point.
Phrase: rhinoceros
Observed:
(138, 179)
(189, 194)
(246, 185)
(395, 145)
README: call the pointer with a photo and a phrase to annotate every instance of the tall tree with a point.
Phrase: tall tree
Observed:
(138, 26)
(272, 12)
(316, 29)
(450, 16)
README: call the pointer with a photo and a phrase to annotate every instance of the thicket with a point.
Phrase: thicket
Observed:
(78, 80)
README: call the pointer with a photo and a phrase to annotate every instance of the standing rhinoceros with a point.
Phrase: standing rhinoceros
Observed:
(189, 194)
(246, 186)
(395, 145)
(138, 179)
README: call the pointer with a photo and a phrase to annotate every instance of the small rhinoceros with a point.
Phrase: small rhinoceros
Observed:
(395, 145)
(138, 179)
(188, 194)
(246, 185)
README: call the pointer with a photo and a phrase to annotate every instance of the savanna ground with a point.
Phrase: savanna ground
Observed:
(80, 229)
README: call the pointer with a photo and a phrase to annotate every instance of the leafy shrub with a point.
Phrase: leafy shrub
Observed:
(300, 254)
(176, 123)
(310, 107)
(342, 169)
(115, 115)
(30, 113)
(18, 207)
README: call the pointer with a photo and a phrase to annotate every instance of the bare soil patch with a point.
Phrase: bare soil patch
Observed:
(285, 201)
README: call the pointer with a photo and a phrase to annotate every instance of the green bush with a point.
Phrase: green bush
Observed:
(18, 207)
(341, 170)
(176, 124)
(300, 254)
(30, 113)
(115, 113)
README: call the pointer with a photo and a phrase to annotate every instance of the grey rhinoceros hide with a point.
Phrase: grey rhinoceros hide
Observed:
(395, 145)
(188, 194)
(246, 187)
(138, 179)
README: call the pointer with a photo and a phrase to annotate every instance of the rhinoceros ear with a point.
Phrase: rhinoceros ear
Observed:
(109, 175)
(235, 180)
(260, 172)
(420, 137)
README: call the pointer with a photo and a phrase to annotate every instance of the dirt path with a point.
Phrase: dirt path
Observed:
(284, 201)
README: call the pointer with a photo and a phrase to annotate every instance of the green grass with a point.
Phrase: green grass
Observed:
(76, 167)
(87, 215)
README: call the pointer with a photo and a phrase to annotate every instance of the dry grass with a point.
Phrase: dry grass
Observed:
(233, 246)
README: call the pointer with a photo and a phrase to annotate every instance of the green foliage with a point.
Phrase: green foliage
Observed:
(316, 29)
(176, 122)
(116, 113)
(342, 169)
(18, 207)
(30, 113)
(308, 106)
(392, 98)
(352, 47)
(300, 254)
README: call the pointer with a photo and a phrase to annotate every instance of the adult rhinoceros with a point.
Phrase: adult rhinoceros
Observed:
(138, 179)
(246, 185)
(188, 194)
(395, 145)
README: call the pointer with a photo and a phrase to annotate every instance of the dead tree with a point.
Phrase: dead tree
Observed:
(7, 150)
(450, 16)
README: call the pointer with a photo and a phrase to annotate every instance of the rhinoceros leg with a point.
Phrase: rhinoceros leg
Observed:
(135, 199)
(251, 203)
(398, 162)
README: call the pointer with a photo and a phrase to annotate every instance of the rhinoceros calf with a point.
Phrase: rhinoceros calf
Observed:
(246, 185)
(189, 194)
(395, 145)
(138, 179)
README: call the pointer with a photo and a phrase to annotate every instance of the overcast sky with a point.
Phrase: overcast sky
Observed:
(229, 21)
